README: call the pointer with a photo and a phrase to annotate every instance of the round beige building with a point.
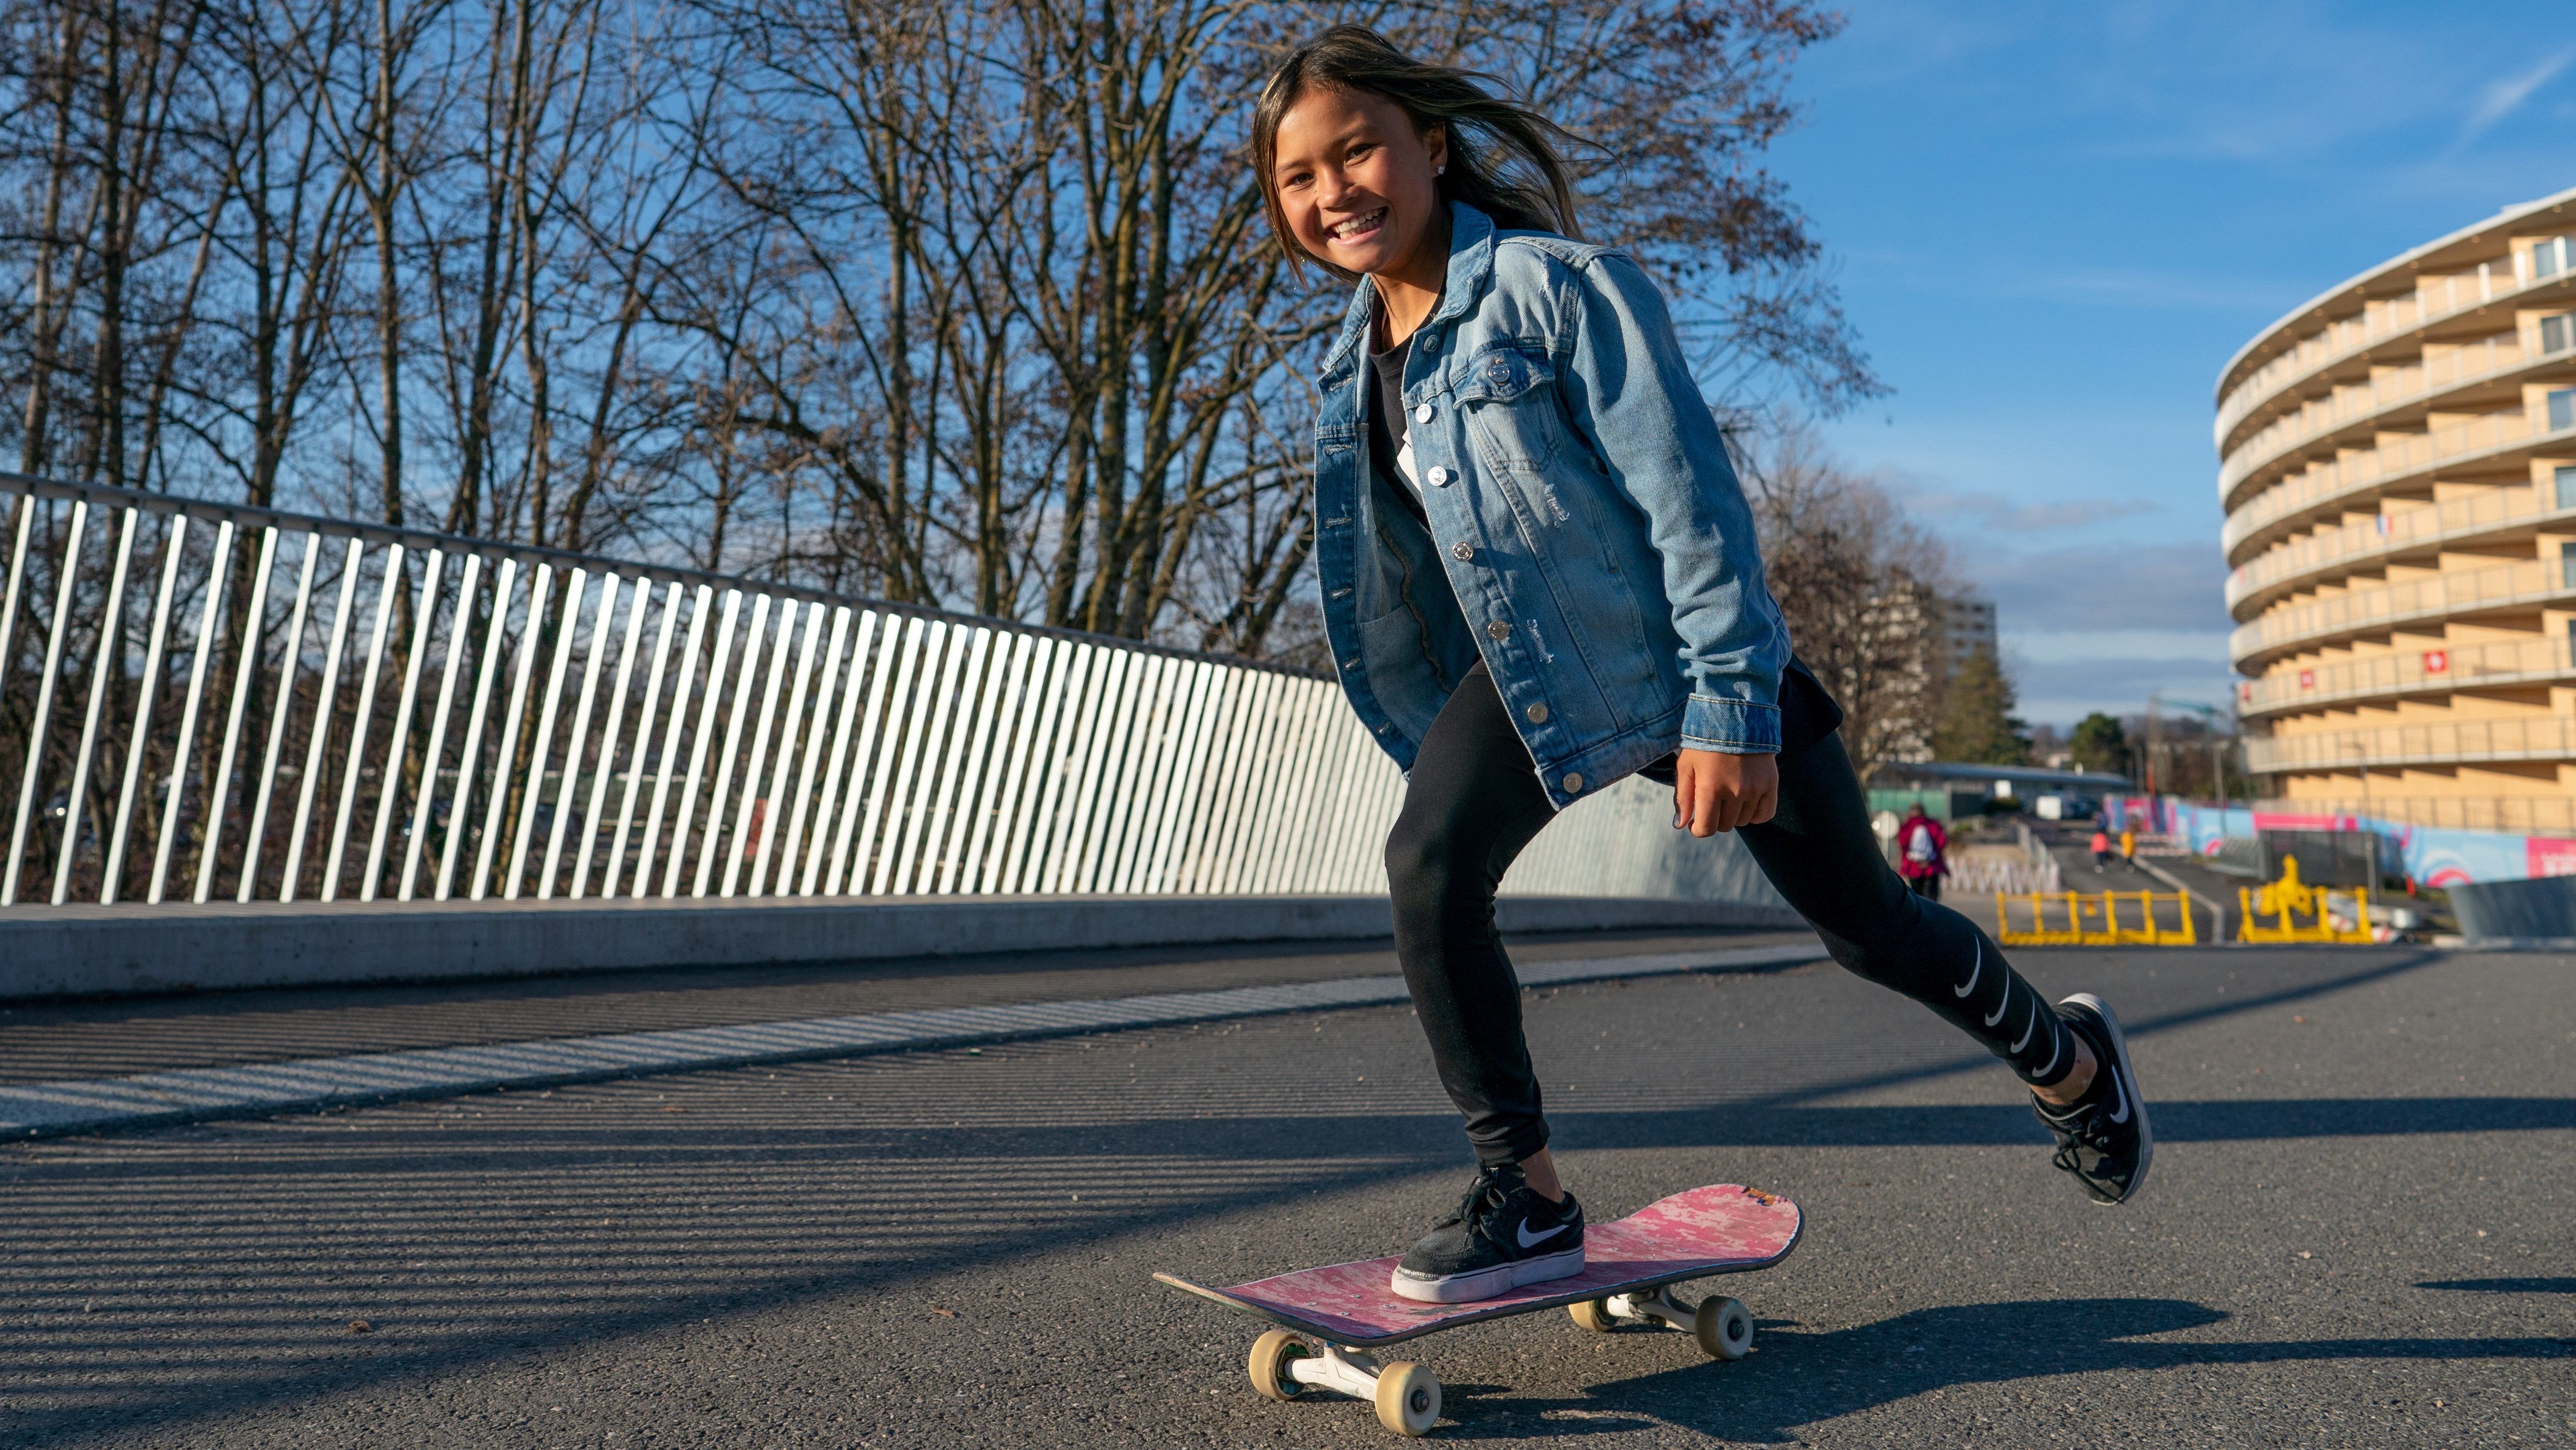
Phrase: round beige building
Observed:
(2397, 459)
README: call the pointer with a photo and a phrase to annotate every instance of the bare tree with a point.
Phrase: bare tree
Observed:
(966, 303)
(1859, 583)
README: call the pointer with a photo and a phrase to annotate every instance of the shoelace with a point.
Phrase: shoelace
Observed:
(2089, 1129)
(1486, 1187)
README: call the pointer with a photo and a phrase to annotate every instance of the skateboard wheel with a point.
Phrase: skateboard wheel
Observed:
(1270, 1356)
(1724, 1327)
(1594, 1314)
(1408, 1399)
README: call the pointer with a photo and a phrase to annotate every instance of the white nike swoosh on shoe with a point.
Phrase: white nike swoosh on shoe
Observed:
(2121, 1116)
(1527, 1238)
(1972, 972)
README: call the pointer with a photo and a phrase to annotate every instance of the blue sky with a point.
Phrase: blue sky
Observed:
(2054, 223)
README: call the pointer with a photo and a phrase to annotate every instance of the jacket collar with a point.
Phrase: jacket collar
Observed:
(1471, 258)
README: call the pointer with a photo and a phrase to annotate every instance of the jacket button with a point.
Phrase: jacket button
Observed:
(1422, 414)
(1439, 477)
(1573, 781)
(1499, 629)
(1538, 716)
(1429, 341)
(1462, 552)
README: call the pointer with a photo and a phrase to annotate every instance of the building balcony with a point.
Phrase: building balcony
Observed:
(2392, 326)
(2449, 742)
(2430, 600)
(2500, 515)
(2495, 665)
(2495, 442)
(2353, 416)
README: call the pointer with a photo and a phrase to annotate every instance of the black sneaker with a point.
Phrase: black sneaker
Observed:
(2103, 1140)
(1503, 1235)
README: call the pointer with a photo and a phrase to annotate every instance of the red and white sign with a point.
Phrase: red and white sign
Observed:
(2437, 662)
(2550, 856)
(2307, 679)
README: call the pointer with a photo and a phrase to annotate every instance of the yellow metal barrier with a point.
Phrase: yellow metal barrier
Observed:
(2098, 919)
(2289, 898)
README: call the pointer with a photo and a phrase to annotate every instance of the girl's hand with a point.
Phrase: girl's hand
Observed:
(1714, 791)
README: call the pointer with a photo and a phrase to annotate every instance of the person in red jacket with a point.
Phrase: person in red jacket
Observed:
(1922, 853)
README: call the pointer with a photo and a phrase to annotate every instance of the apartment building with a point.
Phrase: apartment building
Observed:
(1922, 637)
(1963, 627)
(2397, 459)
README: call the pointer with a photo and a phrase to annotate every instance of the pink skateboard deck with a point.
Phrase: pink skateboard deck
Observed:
(1723, 1229)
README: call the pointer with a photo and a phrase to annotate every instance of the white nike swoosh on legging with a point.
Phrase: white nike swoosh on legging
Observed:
(1972, 972)
(2030, 1027)
(1527, 1238)
(2058, 1039)
(2001, 1007)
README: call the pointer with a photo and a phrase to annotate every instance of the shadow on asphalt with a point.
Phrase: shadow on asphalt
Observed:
(1797, 1379)
(2232, 1120)
(2504, 1286)
(63, 1040)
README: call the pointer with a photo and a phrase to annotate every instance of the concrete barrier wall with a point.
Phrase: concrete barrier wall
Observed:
(87, 950)
(2543, 908)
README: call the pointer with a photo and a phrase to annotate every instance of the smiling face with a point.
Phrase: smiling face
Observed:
(1356, 184)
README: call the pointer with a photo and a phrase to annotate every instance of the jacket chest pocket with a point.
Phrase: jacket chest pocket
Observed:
(1513, 412)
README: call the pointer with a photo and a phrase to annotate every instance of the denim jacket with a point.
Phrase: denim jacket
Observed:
(1587, 535)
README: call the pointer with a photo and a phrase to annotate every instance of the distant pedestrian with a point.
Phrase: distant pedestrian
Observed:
(1923, 853)
(2128, 848)
(2101, 849)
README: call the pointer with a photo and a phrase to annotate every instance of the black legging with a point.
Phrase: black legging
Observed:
(1474, 801)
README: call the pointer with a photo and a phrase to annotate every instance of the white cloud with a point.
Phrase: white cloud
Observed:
(1950, 507)
(2065, 691)
(2087, 589)
(2501, 98)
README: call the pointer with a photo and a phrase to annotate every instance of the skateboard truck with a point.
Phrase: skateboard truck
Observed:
(1406, 1396)
(1723, 1326)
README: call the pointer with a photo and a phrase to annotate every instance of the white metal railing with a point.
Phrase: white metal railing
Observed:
(2432, 598)
(202, 702)
(2408, 458)
(2533, 737)
(2494, 665)
(2360, 545)
(2436, 299)
(304, 709)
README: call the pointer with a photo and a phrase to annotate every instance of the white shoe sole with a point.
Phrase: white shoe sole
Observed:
(1486, 1283)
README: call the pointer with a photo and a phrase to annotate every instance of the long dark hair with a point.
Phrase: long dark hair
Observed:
(1504, 158)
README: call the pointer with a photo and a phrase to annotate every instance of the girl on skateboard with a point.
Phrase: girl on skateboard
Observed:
(1539, 575)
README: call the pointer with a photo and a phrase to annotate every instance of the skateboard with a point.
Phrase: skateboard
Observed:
(1331, 1318)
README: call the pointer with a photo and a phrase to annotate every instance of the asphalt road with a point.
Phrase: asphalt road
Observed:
(2356, 1234)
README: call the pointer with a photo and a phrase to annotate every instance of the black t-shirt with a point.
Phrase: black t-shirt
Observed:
(1387, 425)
